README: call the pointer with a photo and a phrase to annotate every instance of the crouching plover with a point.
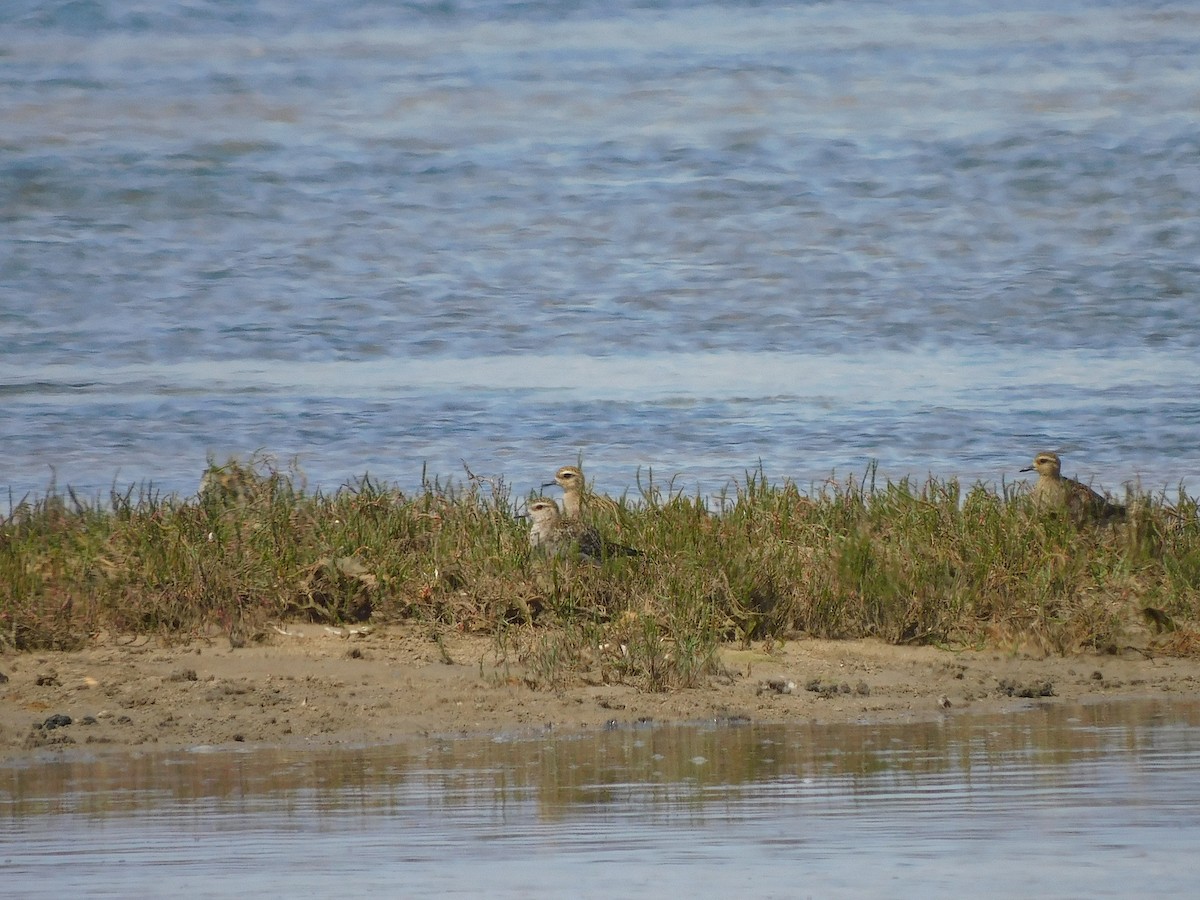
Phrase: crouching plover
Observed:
(555, 535)
(1053, 491)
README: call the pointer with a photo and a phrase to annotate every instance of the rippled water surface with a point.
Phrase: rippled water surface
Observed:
(691, 237)
(1061, 801)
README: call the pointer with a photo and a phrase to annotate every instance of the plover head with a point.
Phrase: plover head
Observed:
(1045, 464)
(569, 478)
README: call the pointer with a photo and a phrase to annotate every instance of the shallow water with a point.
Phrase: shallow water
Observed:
(690, 238)
(1058, 801)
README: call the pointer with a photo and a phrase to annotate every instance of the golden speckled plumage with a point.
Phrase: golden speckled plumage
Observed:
(1053, 491)
(557, 535)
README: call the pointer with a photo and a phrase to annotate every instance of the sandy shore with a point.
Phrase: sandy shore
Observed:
(310, 685)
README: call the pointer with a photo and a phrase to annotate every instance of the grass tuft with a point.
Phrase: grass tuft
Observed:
(904, 562)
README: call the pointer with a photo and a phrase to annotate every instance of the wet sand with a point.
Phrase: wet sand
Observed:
(310, 685)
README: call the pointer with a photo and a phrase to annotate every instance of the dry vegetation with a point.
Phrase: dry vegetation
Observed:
(906, 563)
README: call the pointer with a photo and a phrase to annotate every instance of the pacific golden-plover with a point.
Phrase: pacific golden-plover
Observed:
(557, 535)
(576, 494)
(237, 483)
(1053, 491)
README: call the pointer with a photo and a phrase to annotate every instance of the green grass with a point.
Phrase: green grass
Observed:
(902, 562)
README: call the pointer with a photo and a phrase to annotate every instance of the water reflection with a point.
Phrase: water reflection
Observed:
(569, 774)
(1089, 799)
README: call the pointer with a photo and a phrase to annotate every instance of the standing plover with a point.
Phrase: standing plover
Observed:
(576, 494)
(1052, 490)
(557, 535)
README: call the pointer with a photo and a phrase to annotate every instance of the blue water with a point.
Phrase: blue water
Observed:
(682, 237)
(1062, 801)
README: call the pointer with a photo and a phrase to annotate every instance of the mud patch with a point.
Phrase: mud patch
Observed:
(312, 685)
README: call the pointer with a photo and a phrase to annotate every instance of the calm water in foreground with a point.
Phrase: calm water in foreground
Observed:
(1059, 801)
(681, 236)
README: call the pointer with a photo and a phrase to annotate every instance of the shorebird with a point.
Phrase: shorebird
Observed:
(234, 484)
(575, 492)
(1053, 491)
(557, 535)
